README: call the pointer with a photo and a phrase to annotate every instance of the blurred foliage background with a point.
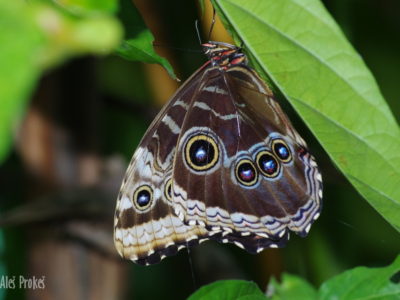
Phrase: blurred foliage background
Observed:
(84, 119)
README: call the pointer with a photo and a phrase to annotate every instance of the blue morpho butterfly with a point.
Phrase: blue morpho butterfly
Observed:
(220, 161)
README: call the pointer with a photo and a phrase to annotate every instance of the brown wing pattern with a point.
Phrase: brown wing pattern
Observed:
(221, 161)
(235, 121)
(146, 228)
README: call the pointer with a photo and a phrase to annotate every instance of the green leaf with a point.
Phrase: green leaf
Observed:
(68, 35)
(20, 41)
(141, 49)
(138, 43)
(359, 283)
(35, 36)
(297, 44)
(229, 290)
(291, 287)
(89, 7)
(364, 283)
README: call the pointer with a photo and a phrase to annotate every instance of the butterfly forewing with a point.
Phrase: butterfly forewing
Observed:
(146, 227)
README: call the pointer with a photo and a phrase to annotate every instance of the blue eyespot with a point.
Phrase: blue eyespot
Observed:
(267, 163)
(281, 150)
(246, 173)
(201, 152)
(143, 197)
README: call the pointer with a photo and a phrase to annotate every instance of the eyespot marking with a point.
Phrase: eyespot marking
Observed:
(267, 164)
(143, 197)
(168, 190)
(246, 173)
(281, 150)
(201, 152)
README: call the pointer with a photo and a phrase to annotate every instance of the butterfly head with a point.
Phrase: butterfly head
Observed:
(224, 55)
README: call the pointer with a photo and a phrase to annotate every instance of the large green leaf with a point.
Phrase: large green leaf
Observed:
(299, 47)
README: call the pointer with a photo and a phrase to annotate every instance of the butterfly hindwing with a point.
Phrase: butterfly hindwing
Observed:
(300, 179)
(231, 128)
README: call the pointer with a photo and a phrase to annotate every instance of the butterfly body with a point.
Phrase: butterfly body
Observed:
(220, 161)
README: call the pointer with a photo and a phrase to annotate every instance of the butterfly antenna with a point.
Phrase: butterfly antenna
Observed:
(198, 31)
(212, 25)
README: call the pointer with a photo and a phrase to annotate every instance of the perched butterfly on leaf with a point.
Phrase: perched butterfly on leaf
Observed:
(220, 161)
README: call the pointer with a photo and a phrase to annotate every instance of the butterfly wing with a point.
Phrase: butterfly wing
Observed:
(221, 155)
(223, 175)
(300, 178)
(146, 228)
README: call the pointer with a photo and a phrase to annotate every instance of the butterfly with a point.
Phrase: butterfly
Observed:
(220, 161)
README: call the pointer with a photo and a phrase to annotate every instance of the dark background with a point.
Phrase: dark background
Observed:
(58, 187)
